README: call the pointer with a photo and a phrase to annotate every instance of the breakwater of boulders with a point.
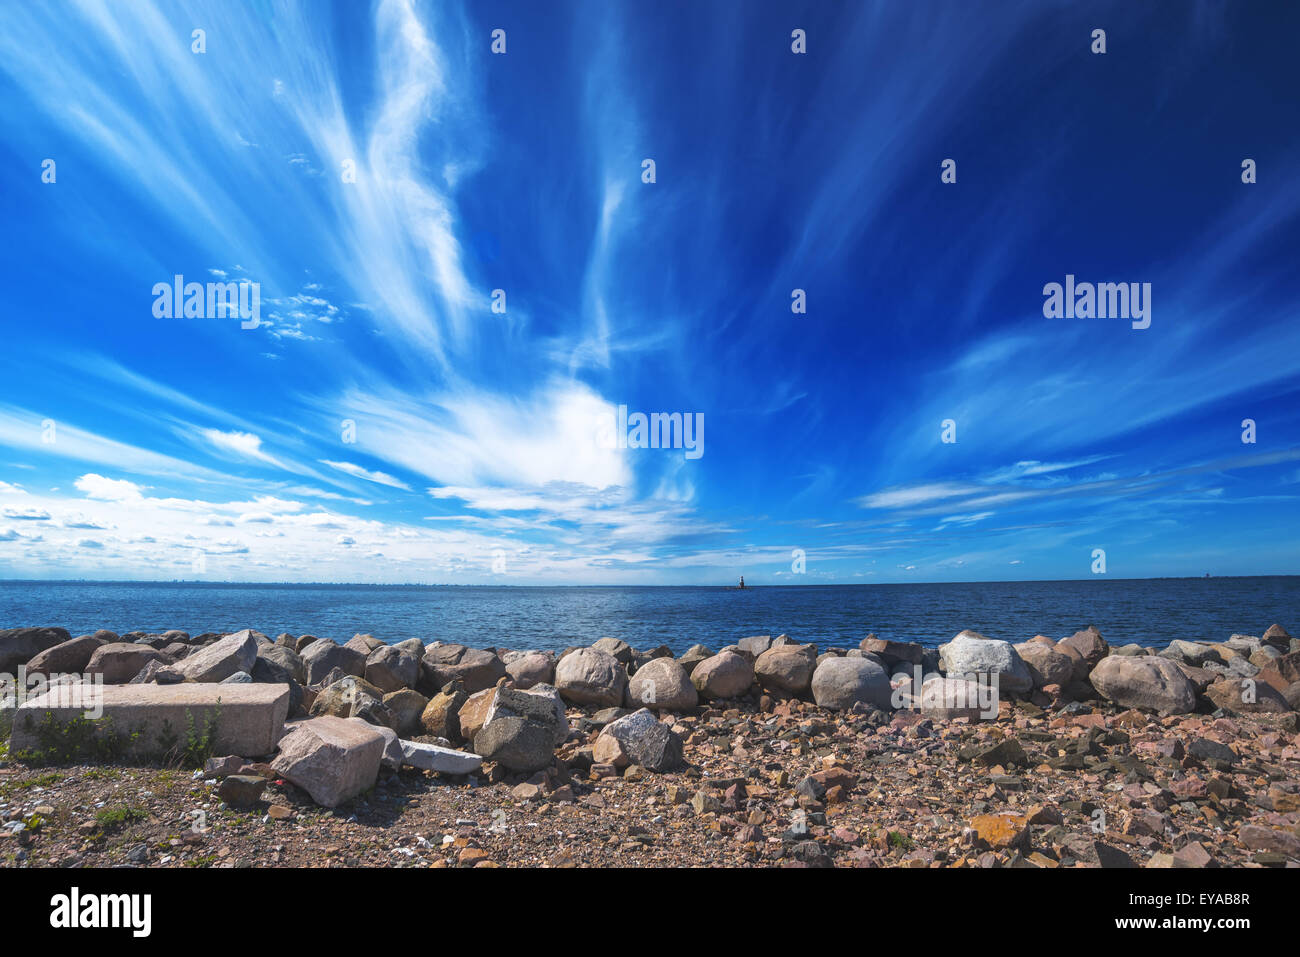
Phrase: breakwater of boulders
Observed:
(553, 726)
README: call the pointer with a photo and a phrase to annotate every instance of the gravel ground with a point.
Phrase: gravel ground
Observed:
(791, 785)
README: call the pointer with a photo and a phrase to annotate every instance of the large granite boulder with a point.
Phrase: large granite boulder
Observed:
(530, 668)
(840, 683)
(19, 645)
(390, 668)
(1086, 647)
(321, 656)
(406, 706)
(620, 650)
(516, 743)
(1246, 696)
(149, 722)
(727, 674)
(1046, 665)
(119, 661)
(68, 657)
(541, 703)
(662, 684)
(353, 697)
(588, 676)
(972, 654)
(1149, 683)
(786, 668)
(440, 717)
(646, 741)
(521, 729)
(279, 663)
(332, 759)
(221, 659)
(444, 663)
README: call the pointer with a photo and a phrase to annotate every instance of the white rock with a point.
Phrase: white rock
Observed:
(430, 757)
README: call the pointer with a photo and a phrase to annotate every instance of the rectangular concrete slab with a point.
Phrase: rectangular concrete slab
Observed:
(151, 722)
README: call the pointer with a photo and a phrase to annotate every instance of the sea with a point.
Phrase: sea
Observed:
(1146, 611)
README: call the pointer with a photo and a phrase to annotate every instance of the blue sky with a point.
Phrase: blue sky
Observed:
(140, 447)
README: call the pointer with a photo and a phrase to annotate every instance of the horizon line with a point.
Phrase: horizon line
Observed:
(318, 584)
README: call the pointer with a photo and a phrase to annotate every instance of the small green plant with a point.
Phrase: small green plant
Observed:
(78, 739)
(46, 780)
(195, 750)
(198, 745)
(113, 819)
(901, 841)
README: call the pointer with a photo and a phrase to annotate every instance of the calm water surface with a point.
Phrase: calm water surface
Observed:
(1150, 611)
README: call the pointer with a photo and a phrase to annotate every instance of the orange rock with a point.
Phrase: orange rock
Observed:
(1003, 830)
(471, 856)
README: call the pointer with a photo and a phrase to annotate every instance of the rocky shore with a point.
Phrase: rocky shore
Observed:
(242, 750)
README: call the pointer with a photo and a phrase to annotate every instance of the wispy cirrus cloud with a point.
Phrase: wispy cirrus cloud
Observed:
(380, 172)
(356, 471)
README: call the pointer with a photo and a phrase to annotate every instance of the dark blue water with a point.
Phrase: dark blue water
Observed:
(1150, 611)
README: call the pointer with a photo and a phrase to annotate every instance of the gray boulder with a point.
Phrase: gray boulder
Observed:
(541, 703)
(530, 668)
(1046, 665)
(445, 663)
(1193, 653)
(727, 674)
(278, 664)
(431, 757)
(970, 654)
(589, 676)
(390, 668)
(694, 655)
(352, 697)
(406, 706)
(646, 741)
(1148, 683)
(516, 743)
(332, 759)
(786, 668)
(619, 650)
(19, 645)
(945, 699)
(119, 662)
(68, 657)
(840, 683)
(322, 655)
(662, 684)
(221, 659)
